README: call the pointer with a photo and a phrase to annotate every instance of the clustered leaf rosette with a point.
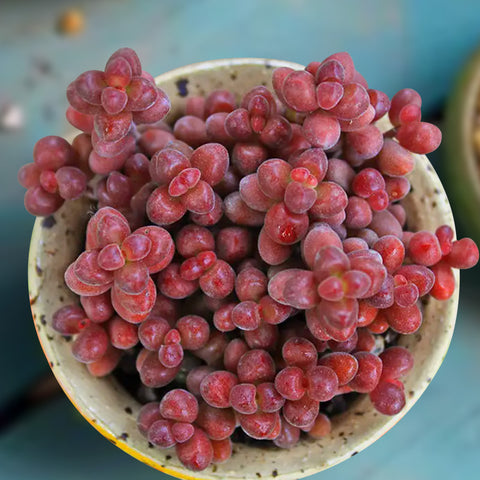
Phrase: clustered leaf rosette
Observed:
(336, 281)
(127, 191)
(117, 260)
(53, 177)
(185, 178)
(164, 343)
(258, 118)
(335, 98)
(107, 104)
(256, 314)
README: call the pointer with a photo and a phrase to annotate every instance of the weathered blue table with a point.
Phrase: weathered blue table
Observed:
(398, 44)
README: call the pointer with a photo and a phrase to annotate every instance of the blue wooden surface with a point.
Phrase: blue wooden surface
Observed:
(395, 44)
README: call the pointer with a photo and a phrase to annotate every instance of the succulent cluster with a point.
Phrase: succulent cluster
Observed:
(253, 257)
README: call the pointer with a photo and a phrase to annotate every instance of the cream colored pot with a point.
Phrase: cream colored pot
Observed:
(112, 411)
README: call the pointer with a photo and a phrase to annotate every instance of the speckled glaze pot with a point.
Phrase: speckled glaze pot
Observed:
(57, 240)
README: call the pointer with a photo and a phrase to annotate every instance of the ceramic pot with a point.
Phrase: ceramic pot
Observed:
(56, 242)
(461, 160)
